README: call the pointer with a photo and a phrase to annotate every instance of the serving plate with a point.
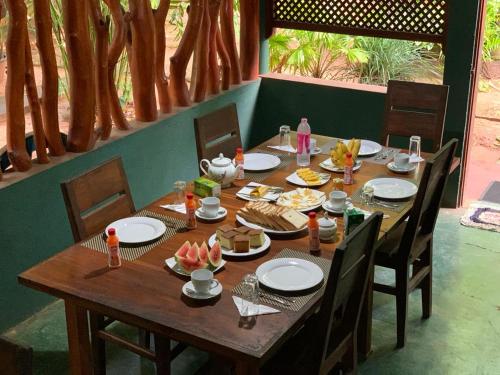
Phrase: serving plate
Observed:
(289, 274)
(329, 166)
(259, 161)
(253, 250)
(137, 229)
(296, 180)
(367, 148)
(174, 266)
(286, 199)
(392, 188)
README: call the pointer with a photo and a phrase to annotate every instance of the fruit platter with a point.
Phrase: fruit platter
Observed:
(307, 177)
(190, 257)
(336, 161)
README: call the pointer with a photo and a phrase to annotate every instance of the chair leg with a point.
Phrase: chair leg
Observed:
(426, 284)
(402, 275)
(162, 355)
(144, 338)
(98, 345)
(350, 359)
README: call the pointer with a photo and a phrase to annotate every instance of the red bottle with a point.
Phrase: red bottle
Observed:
(113, 243)
(239, 159)
(348, 169)
(313, 233)
(190, 211)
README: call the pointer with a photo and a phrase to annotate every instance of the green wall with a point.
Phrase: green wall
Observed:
(33, 218)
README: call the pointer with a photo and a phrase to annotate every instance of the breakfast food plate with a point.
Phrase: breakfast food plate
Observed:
(289, 274)
(302, 199)
(252, 250)
(394, 168)
(267, 230)
(259, 192)
(174, 266)
(308, 178)
(392, 188)
(138, 229)
(367, 148)
(259, 161)
(329, 166)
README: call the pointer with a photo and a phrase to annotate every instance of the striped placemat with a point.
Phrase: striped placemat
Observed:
(286, 159)
(130, 253)
(300, 300)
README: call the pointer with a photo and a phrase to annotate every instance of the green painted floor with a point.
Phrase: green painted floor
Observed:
(461, 337)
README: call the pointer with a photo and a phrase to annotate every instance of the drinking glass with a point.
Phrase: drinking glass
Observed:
(285, 136)
(367, 195)
(250, 290)
(414, 146)
(180, 192)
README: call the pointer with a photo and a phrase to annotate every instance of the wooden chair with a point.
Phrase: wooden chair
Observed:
(415, 109)
(15, 359)
(93, 200)
(329, 338)
(411, 243)
(217, 132)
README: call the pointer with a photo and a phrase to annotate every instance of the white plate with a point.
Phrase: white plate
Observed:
(172, 264)
(327, 206)
(289, 274)
(393, 188)
(242, 221)
(394, 168)
(137, 229)
(296, 180)
(211, 293)
(244, 193)
(328, 165)
(260, 161)
(220, 214)
(321, 197)
(253, 250)
(367, 147)
(316, 151)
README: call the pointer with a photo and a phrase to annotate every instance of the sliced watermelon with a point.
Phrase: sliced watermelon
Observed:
(203, 253)
(190, 265)
(193, 252)
(215, 255)
(183, 250)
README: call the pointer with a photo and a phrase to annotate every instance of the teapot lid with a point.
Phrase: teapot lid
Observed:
(326, 222)
(221, 161)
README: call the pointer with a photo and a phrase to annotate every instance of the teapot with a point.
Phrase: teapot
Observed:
(327, 229)
(220, 170)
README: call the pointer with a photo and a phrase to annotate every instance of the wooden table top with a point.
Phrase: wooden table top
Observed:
(146, 293)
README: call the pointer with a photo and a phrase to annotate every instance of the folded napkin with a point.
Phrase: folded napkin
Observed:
(253, 309)
(251, 186)
(415, 158)
(284, 148)
(181, 208)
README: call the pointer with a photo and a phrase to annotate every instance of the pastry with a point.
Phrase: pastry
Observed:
(256, 237)
(241, 243)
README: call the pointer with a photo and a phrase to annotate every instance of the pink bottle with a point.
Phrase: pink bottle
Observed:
(303, 143)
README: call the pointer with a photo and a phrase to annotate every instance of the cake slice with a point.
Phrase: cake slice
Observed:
(256, 237)
(227, 239)
(242, 230)
(223, 229)
(241, 243)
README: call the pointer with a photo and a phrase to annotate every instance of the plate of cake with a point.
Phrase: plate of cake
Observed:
(271, 218)
(240, 241)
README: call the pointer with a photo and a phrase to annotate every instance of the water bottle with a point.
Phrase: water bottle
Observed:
(303, 143)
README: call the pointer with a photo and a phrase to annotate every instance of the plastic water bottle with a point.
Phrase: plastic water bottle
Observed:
(303, 143)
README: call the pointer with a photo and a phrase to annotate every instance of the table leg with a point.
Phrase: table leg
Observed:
(246, 368)
(365, 320)
(77, 326)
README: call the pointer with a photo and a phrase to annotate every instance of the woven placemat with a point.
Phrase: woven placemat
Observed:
(130, 253)
(286, 159)
(299, 300)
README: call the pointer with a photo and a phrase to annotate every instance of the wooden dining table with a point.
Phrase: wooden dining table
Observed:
(147, 294)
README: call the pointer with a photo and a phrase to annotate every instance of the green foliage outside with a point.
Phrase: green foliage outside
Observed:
(492, 30)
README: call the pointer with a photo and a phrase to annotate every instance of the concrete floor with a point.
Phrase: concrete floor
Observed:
(461, 337)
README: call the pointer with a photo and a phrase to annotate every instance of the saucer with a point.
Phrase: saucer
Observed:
(316, 151)
(392, 166)
(220, 214)
(328, 207)
(195, 295)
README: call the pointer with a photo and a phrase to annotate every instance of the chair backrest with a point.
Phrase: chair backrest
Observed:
(430, 193)
(415, 109)
(96, 198)
(344, 292)
(217, 132)
(15, 359)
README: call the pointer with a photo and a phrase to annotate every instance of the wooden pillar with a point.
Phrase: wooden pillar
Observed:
(249, 39)
(228, 37)
(160, 16)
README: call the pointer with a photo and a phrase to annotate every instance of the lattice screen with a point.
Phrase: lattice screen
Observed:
(424, 20)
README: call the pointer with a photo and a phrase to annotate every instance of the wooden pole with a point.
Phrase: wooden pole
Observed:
(160, 16)
(179, 92)
(50, 85)
(115, 50)
(227, 31)
(81, 75)
(213, 62)
(225, 61)
(14, 89)
(142, 59)
(202, 49)
(249, 39)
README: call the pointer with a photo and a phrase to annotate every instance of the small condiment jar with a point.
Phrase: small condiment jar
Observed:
(327, 229)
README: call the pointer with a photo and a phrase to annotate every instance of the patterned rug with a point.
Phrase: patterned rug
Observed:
(483, 215)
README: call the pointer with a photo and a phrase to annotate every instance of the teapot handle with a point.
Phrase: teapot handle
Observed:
(201, 165)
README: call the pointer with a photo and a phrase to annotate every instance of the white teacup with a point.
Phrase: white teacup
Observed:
(312, 144)
(210, 206)
(338, 199)
(402, 160)
(203, 281)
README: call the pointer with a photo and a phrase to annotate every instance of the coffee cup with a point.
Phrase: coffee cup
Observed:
(203, 281)
(402, 160)
(338, 199)
(210, 206)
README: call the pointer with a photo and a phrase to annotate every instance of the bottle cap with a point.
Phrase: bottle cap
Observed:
(189, 195)
(312, 215)
(111, 231)
(348, 154)
(303, 119)
(239, 150)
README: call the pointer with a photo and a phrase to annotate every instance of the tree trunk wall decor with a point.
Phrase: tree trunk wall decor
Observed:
(139, 36)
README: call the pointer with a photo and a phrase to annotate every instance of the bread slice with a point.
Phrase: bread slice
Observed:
(296, 219)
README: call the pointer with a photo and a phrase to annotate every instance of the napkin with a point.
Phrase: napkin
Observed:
(284, 148)
(249, 188)
(181, 208)
(253, 309)
(414, 158)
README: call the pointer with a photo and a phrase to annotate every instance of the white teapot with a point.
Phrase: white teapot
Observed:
(220, 170)
(327, 229)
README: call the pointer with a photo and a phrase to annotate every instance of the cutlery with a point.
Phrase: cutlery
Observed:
(395, 205)
(386, 205)
(256, 198)
(280, 299)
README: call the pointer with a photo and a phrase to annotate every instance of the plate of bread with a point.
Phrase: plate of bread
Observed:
(271, 218)
(302, 199)
(240, 241)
